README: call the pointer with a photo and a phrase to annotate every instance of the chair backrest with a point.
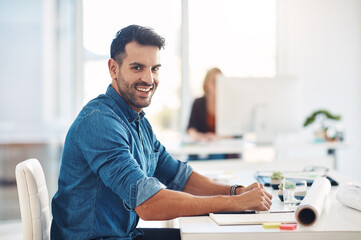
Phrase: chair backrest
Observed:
(33, 199)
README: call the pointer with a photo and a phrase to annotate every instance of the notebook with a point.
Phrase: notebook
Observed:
(250, 219)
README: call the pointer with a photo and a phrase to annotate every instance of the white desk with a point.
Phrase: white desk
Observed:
(252, 152)
(336, 222)
(209, 147)
(246, 150)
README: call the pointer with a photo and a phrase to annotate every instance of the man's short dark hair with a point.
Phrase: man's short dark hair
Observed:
(142, 35)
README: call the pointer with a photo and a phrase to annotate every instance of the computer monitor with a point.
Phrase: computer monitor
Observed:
(265, 106)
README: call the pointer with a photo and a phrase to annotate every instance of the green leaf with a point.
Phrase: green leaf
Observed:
(310, 119)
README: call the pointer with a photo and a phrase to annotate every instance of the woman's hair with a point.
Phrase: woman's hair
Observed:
(210, 75)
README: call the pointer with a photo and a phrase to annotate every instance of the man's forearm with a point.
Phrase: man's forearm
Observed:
(201, 196)
(192, 201)
(200, 185)
(168, 204)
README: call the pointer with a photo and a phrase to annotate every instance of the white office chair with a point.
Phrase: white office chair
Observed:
(34, 200)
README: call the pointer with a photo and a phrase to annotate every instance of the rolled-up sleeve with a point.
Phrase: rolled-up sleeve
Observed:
(144, 189)
(171, 172)
(181, 178)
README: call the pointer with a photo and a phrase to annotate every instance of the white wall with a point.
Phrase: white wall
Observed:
(21, 66)
(320, 45)
(37, 93)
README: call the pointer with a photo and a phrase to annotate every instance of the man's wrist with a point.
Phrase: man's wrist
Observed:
(233, 190)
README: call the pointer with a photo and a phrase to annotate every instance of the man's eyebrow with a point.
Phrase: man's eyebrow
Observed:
(142, 65)
(136, 64)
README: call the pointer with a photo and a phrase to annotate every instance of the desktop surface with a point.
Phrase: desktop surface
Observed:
(336, 222)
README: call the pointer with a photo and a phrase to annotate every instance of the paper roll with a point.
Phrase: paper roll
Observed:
(310, 209)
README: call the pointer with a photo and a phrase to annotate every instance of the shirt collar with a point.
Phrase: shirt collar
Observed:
(130, 114)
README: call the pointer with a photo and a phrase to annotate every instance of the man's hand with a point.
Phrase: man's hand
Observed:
(254, 197)
(250, 187)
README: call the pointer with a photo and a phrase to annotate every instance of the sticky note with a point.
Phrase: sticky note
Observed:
(271, 225)
(288, 226)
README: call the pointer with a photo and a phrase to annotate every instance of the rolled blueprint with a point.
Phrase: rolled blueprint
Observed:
(310, 209)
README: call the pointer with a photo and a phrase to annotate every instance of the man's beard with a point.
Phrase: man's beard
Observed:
(128, 92)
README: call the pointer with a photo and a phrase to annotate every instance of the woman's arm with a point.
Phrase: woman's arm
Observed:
(199, 136)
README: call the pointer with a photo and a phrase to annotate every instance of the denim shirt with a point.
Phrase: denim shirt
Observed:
(112, 162)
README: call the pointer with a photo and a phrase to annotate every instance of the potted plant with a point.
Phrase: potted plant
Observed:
(276, 179)
(288, 192)
(292, 191)
(325, 132)
(290, 185)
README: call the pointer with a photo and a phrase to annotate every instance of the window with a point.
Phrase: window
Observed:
(238, 36)
(102, 19)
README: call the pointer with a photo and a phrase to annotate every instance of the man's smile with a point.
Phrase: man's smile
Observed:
(144, 89)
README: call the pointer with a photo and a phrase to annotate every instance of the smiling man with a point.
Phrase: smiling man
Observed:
(135, 74)
(113, 168)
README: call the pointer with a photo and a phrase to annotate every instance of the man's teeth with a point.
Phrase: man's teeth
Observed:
(144, 89)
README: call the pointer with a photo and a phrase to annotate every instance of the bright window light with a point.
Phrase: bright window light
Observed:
(238, 36)
(102, 19)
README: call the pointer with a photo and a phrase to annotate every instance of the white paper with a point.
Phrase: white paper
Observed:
(310, 209)
(257, 218)
(350, 195)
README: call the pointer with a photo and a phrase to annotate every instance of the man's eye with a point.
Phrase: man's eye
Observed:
(155, 69)
(137, 68)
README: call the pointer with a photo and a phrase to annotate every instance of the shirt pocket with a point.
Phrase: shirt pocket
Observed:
(152, 163)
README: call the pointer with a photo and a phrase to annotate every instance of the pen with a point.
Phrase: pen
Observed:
(254, 212)
(230, 212)
(236, 212)
(247, 212)
(276, 211)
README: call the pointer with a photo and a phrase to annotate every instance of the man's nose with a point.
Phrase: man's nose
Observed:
(148, 77)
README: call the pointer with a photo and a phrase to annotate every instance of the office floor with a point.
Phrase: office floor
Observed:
(10, 223)
(9, 207)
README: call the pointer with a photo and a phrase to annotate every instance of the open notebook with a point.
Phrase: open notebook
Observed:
(248, 219)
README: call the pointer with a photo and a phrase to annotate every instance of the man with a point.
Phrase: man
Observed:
(114, 169)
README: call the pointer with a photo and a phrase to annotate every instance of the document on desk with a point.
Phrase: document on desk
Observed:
(250, 219)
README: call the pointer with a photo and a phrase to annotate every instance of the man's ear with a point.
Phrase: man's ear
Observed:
(113, 68)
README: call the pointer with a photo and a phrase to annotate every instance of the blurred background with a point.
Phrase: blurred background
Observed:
(54, 60)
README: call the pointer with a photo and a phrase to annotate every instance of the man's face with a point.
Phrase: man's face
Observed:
(137, 78)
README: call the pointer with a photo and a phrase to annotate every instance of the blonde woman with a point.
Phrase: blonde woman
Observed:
(202, 121)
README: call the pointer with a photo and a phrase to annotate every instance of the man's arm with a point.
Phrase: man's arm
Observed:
(201, 185)
(201, 196)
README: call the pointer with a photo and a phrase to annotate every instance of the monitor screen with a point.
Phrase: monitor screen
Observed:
(264, 106)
